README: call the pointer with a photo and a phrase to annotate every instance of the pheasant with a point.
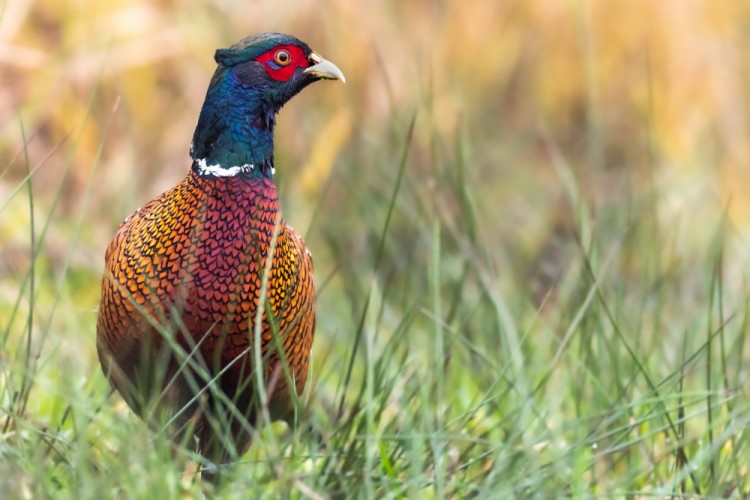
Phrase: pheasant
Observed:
(207, 280)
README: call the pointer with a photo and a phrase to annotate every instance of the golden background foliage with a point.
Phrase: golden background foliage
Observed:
(636, 96)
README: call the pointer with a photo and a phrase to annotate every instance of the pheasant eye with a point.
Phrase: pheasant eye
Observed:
(282, 57)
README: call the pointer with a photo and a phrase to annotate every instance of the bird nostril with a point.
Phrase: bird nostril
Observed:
(314, 58)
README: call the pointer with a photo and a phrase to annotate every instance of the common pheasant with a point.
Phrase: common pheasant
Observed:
(206, 279)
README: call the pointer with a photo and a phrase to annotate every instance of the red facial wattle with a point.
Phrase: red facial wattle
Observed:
(279, 71)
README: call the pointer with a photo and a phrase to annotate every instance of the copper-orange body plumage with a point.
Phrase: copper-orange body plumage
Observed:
(199, 251)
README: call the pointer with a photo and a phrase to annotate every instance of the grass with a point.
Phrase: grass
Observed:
(451, 379)
(533, 310)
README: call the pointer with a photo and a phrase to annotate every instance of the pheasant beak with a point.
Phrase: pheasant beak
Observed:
(324, 69)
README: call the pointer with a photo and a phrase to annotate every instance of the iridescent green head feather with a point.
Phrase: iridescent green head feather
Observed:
(254, 79)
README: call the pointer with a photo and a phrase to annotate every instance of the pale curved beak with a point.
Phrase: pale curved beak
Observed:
(324, 69)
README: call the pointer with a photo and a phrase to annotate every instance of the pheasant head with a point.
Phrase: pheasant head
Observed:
(253, 80)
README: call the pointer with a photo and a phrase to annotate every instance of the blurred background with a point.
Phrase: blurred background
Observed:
(529, 106)
(571, 224)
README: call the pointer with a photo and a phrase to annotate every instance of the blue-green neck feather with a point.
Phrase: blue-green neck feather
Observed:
(235, 125)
